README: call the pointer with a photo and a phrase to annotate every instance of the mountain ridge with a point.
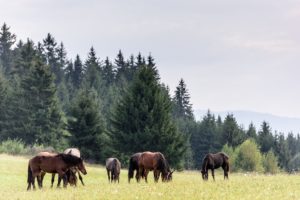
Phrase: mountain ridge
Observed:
(244, 118)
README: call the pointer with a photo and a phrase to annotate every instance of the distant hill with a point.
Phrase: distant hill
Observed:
(277, 123)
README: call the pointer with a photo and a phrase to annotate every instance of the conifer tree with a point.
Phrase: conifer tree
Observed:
(231, 132)
(181, 99)
(108, 72)
(7, 39)
(77, 73)
(87, 128)
(265, 138)
(93, 73)
(251, 132)
(142, 120)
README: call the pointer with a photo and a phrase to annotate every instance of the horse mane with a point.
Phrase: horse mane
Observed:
(162, 163)
(69, 158)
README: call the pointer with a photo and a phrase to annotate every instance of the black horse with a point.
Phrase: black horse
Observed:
(214, 161)
(134, 166)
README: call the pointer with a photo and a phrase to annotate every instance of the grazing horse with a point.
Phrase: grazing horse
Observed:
(214, 161)
(70, 174)
(59, 163)
(155, 161)
(113, 168)
(134, 165)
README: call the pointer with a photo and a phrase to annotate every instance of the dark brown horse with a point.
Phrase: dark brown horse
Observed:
(214, 161)
(134, 166)
(113, 168)
(157, 162)
(70, 174)
(52, 164)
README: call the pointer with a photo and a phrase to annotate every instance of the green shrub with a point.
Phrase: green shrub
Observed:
(270, 163)
(249, 157)
(13, 147)
(232, 153)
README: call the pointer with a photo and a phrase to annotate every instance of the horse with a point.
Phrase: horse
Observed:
(59, 163)
(157, 162)
(113, 168)
(70, 174)
(214, 161)
(134, 165)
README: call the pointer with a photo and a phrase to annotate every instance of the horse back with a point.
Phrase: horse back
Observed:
(73, 151)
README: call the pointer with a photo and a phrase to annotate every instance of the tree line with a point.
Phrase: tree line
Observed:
(113, 107)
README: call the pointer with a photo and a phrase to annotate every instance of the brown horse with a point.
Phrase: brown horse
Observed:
(214, 161)
(52, 164)
(155, 161)
(70, 175)
(134, 166)
(113, 168)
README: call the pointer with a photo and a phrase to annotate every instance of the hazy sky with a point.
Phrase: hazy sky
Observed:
(233, 54)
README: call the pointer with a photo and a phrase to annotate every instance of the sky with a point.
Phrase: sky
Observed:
(232, 54)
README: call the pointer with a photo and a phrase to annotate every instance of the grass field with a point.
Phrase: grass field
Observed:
(185, 185)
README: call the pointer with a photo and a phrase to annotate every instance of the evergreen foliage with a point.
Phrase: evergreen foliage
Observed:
(117, 108)
(142, 120)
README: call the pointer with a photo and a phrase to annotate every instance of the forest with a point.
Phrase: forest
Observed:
(119, 106)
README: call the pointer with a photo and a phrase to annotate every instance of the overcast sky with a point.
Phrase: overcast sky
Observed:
(233, 54)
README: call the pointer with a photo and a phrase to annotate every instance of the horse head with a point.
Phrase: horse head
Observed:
(204, 174)
(81, 167)
(169, 175)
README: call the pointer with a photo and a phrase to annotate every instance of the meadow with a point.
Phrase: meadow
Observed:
(185, 185)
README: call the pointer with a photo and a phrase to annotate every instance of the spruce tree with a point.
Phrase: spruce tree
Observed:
(108, 72)
(93, 74)
(181, 99)
(265, 138)
(87, 128)
(142, 120)
(232, 134)
(251, 132)
(7, 39)
(77, 73)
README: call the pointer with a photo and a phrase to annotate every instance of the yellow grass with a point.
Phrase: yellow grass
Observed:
(185, 185)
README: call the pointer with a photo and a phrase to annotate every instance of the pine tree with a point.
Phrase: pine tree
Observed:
(77, 76)
(38, 118)
(265, 138)
(251, 132)
(108, 72)
(181, 99)
(86, 126)
(93, 73)
(232, 133)
(142, 120)
(7, 39)
(121, 67)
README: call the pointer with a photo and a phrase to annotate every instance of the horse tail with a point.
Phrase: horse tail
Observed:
(29, 175)
(131, 168)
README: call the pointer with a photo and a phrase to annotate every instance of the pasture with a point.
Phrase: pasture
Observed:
(185, 185)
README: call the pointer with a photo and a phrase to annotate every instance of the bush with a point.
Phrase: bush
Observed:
(270, 163)
(14, 147)
(232, 153)
(249, 157)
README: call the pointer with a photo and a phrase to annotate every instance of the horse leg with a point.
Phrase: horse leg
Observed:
(213, 174)
(58, 182)
(108, 175)
(80, 178)
(52, 180)
(146, 175)
(39, 180)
